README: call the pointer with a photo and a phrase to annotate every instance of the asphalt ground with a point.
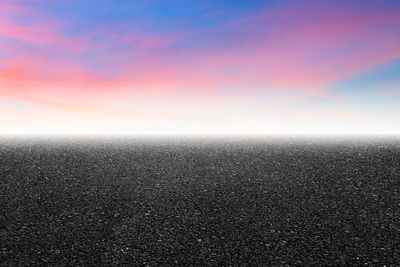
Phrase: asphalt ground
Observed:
(205, 201)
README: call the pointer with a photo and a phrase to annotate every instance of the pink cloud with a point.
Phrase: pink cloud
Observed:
(288, 47)
(43, 36)
(297, 47)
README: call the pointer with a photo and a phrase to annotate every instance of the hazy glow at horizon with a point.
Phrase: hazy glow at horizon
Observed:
(199, 67)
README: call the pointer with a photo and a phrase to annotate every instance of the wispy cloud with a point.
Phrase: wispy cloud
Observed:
(296, 50)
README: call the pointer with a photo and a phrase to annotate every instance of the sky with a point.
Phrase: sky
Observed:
(200, 66)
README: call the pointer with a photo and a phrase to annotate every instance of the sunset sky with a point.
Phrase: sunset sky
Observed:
(199, 66)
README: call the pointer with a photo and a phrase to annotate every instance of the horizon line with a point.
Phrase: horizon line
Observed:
(133, 134)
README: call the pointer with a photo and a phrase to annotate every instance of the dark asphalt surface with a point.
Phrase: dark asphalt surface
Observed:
(282, 202)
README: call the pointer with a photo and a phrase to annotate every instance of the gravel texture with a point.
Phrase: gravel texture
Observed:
(272, 201)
